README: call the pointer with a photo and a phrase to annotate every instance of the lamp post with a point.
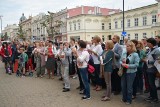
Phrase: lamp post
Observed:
(1, 26)
(123, 21)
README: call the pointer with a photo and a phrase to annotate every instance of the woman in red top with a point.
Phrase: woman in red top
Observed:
(6, 53)
(50, 64)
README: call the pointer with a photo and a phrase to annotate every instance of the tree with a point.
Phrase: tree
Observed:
(52, 29)
(5, 37)
(20, 33)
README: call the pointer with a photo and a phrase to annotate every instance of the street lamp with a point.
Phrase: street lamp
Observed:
(123, 21)
(1, 25)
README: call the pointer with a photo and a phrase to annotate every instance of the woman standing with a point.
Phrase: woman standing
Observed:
(37, 58)
(82, 63)
(108, 58)
(130, 62)
(6, 53)
(96, 51)
(50, 64)
(151, 69)
(138, 82)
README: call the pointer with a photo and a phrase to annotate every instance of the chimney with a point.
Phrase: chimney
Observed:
(82, 9)
(95, 12)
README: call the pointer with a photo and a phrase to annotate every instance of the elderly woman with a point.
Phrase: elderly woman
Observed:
(151, 69)
(96, 50)
(130, 62)
(108, 58)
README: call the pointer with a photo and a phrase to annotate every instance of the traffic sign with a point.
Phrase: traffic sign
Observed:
(124, 33)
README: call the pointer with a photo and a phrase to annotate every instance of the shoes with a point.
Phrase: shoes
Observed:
(81, 92)
(146, 91)
(128, 103)
(86, 98)
(66, 90)
(123, 101)
(148, 99)
(133, 97)
(154, 101)
(61, 79)
(105, 99)
(74, 77)
(78, 87)
(81, 89)
(99, 89)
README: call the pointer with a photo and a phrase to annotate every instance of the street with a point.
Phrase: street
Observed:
(43, 92)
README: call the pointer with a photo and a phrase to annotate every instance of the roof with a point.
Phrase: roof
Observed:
(90, 10)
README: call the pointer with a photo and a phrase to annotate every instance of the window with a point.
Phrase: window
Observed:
(144, 34)
(128, 23)
(103, 38)
(79, 26)
(102, 26)
(109, 25)
(74, 26)
(136, 22)
(136, 36)
(144, 21)
(116, 24)
(154, 19)
(129, 37)
(122, 24)
(70, 27)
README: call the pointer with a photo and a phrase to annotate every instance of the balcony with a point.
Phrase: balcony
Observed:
(157, 24)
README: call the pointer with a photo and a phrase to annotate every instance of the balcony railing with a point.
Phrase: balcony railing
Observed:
(157, 24)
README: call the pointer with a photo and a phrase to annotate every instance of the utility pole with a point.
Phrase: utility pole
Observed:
(123, 21)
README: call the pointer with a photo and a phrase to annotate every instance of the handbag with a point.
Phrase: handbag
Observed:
(158, 75)
(90, 69)
(120, 72)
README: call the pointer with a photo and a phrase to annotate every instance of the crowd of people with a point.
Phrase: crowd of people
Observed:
(129, 69)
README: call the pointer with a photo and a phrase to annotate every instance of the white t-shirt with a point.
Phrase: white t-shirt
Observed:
(97, 49)
(83, 59)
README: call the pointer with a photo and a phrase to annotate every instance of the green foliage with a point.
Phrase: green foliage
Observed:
(20, 32)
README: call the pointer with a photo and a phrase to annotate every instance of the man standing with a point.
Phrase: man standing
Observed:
(116, 80)
(157, 38)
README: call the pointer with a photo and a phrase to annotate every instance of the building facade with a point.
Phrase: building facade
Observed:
(38, 30)
(10, 31)
(26, 26)
(58, 24)
(85, 27)
(139, 22)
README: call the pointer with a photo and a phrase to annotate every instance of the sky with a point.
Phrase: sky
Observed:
(12, 10)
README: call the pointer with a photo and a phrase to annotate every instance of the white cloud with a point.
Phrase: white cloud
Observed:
(14, 8)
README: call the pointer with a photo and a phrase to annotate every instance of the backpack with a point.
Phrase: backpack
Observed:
(25, 57)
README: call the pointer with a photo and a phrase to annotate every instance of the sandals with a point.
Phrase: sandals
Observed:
(105, 99)
(98, 89)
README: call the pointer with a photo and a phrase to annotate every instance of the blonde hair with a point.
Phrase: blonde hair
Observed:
(132, 45)
(110, 44)
(117, 37)
(141, 44)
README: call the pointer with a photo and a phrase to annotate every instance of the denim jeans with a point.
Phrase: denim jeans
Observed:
(153, 89)
(84, 75)
(97, 74)
(127, 80)
(138, 81)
